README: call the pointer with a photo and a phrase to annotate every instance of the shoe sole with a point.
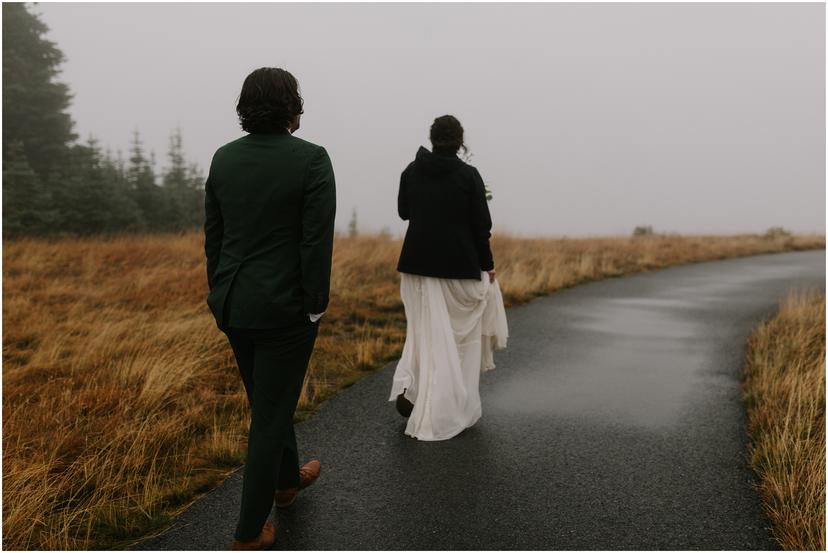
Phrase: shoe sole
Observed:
(295, 497)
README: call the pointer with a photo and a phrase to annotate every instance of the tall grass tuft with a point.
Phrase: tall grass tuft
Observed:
(784, 389)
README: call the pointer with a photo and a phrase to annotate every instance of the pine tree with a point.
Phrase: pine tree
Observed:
(126, 215)
(82, 200)
(26, 204)
(147, 195)
(352, 225)
(120, 163)
(176, 174)
(183, 185)
(175, 182)
(34, 104)
(195, 180)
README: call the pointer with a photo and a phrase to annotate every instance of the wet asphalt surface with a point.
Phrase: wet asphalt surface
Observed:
(612, 421)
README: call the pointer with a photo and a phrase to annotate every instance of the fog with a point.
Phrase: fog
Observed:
(584, 119)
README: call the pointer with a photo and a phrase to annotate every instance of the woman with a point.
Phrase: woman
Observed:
(453, 305)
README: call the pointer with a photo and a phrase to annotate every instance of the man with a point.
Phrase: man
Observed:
(270, 202)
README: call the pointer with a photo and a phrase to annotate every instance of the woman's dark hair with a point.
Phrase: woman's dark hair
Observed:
(269, 100)
(447, 135)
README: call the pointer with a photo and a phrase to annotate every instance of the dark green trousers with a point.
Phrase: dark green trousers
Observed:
(272, 363)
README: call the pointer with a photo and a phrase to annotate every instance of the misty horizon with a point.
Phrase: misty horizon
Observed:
(583, 119)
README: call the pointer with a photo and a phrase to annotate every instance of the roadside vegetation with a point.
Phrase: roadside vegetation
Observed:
(121, 400)
(784, 389)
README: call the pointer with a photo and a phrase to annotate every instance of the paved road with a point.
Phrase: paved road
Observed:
(613, 421)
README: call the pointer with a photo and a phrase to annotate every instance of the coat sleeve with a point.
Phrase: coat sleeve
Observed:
(481, 223)
(213, 230)
(402, 199)
(316, 244)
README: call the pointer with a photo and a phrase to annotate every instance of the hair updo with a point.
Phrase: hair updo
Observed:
(269, 101)
(447, 135)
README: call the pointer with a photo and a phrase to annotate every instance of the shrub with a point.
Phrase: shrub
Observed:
(777, 232)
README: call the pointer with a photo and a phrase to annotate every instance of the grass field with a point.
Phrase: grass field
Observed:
(784, 389)
(121, 400)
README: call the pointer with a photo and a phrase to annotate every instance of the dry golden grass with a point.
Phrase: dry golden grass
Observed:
(785, 393)
(121, 399)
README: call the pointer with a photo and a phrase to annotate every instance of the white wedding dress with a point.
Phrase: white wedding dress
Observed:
(453, 325)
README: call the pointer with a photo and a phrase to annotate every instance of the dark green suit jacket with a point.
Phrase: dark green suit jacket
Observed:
(269, 204)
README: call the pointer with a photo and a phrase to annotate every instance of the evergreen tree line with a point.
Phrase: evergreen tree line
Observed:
(95, 192)
(53, 185)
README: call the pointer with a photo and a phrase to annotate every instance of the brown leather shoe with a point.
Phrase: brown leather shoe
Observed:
(307, 476)
(266, 538)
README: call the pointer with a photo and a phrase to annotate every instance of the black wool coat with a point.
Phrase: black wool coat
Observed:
(449, 225)
(270, 202)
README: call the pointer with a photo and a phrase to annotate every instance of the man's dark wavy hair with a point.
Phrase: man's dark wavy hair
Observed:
(269, 100)
(447, 135)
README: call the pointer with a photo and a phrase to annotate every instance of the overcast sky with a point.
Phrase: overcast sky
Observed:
(584, 119)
